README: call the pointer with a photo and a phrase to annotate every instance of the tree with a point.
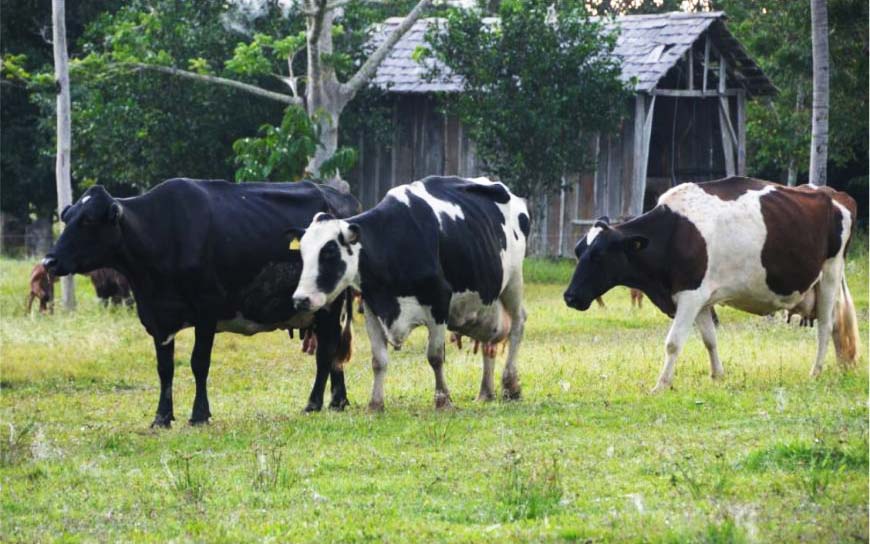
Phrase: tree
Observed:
(64, 130)
(537, 86)
(321, 92)
(821, 95)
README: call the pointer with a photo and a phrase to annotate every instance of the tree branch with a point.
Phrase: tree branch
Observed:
(248, 88)
(367, 71)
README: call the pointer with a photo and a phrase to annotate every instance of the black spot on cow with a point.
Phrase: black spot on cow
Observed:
(330, 268)
(525, 226)
(323, 217)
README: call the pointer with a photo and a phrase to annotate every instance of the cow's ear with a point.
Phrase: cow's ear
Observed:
(115, 213)
(602, 222)
(633, 244)
(63, 212)
(352, 234)
(294, 234)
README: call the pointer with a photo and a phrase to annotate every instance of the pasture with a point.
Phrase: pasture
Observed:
(765, 455)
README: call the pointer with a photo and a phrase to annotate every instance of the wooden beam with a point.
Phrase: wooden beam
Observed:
(682, 93)
(691, 69)
(725, 121)
(647, 132)
(741, 133)
(706, 62)
(638, 177)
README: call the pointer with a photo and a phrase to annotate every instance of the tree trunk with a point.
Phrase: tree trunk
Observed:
(821, 78)
(323, 98)
(64, 129)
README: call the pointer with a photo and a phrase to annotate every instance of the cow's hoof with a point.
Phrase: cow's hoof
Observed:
(312, 407)
(485, 396)
(376, 407)
(338, 405)
(196, 422)
(513, 393)
(717, 375)
(660, 388)
(443, 402)
(162, 421)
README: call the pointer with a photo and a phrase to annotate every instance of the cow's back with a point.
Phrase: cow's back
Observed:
(761, 234)
(481, 236)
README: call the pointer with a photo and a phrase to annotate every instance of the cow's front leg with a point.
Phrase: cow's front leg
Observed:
(378, 340)
(166, 371)
(327, 324)
(707, 328)
(687, 310)
(200, 362)
(435, 355)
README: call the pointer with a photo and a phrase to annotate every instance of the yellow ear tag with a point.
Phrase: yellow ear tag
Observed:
(295, 245)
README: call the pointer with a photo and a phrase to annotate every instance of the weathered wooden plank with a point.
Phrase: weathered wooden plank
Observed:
(741, 133)
(706, 62)
(691, 60)
(725, 120)
(634, 201)
(683, 93)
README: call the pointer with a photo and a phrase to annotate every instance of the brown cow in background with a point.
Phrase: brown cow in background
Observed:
(41, 288)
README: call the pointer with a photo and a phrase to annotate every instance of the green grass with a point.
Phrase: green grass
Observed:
(766, 455)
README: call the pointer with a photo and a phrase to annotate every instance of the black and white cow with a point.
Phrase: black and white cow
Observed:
(445, 253)
(210, 255)
(746, 243)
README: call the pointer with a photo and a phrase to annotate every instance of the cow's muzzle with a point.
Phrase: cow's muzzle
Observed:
(574, 301)
(51, 264)
(302, 304)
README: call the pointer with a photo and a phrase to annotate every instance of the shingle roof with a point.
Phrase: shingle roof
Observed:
(647, 46)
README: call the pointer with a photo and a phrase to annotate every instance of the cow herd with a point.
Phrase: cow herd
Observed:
(446, 253)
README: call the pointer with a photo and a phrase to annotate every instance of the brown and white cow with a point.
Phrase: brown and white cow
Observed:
(746, 243)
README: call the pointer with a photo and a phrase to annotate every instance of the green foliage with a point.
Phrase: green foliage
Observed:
(779, 38)
(534, 91)
(280, 152)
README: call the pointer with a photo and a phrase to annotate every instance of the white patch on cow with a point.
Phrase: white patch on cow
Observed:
(85, 199)
(412, 314)
(438, 206)
(591, 234)
(734, 232)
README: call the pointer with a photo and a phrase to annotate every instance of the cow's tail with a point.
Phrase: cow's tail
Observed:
(345, 343)
(846, 336)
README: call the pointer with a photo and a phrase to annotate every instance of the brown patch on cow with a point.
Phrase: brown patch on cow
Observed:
(732, 188)
(804, 229)
(688, 256)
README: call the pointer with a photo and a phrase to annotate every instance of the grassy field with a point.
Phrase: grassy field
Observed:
(766, 455)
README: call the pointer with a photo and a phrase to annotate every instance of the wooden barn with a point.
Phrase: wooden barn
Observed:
(687, 122)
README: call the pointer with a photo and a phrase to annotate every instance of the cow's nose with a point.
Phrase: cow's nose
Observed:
(302, 303)
(49, 262)
(570, 299)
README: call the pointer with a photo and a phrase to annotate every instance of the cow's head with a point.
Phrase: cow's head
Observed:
(604, 260)
(330, 259)
(91, 237)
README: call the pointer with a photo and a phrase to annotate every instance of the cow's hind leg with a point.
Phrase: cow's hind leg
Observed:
(380, 359)
(687, 310)
(200, 361)
(512, 299)
(486, 383)
(707, 328)
(435, 355)
(826, 298)
(166, 371)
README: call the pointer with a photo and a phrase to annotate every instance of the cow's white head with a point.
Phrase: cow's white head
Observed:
(330, 260)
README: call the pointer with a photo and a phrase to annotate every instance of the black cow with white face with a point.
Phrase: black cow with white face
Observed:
(445, 253)
(210, 255)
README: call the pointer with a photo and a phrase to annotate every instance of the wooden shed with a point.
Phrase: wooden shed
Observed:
(687, 122)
